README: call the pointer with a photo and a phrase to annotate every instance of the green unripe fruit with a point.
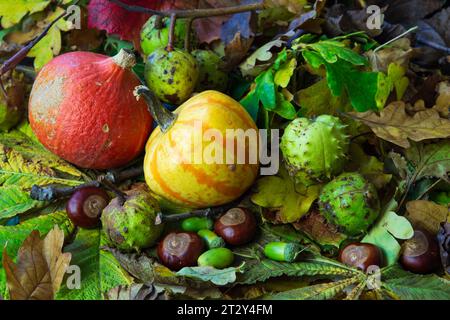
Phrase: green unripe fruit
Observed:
(12, 106)
(131, 226)
(211, 239)
(282, 251)
(211, 76)
(350, 202)
(171, 75)
(218, 258)
(195, 224)
(314, 150)
(155, 34)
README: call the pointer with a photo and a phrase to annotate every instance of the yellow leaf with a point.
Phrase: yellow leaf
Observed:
(394, 125)
(40, 267)
(284, 74)
(12, 11)
(427, 214)
(50, 45)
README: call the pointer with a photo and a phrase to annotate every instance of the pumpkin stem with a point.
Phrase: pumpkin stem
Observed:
(125, 59)
(162, 116)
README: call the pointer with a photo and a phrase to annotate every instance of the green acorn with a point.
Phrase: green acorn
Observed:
(171, 75)
(314, 150)
(12, 106)
(350, 202)
(155, 34)
(130, 226)
(211, 76)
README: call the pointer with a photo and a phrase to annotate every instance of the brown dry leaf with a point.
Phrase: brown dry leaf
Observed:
(40, 267)
(399, 52)
(443, 101)
(394, 125)
(427, 214)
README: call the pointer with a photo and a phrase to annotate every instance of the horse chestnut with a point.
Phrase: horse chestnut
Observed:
(86, 205)
(180, 249)
(420, 254)
(361, 255)
(237, 226)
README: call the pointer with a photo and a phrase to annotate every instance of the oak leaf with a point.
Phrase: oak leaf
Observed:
(394, 125)
(40, 267)
(427, 214)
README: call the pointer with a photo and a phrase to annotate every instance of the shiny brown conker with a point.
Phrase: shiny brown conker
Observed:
(361, 255)
(180, 249)
(420, 254)
(237, 226)
(85, 206)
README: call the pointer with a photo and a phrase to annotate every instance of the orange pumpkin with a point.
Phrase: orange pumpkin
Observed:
(170, 167)
(82, 109)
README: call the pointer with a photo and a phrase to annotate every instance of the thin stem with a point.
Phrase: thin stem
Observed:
(429, 189)
(121, 195)
(187, 37)
(193, 13)
(396, 38)
(160, 114)
(173, 21)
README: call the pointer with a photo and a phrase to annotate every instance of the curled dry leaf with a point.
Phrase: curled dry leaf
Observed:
(427, 214)
(40, 267)
(136, 291)
(394, 125)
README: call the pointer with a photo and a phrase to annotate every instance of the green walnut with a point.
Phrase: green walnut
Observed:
(130, 226)
(155, 34)
(171, 75)
(350, 202)
(314, 150)
(12, 106)
(211, 76)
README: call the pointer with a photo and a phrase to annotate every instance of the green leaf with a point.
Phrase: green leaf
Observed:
(219, 277)
(285, 72)
(284, 108)
(431, 160)
(14, 201)
(12, 237)
(266, 91)
(324, 291)
(332, 50)
(100, 271)
(384, 233)
(419, 287)
(13, 11)
(25, 163)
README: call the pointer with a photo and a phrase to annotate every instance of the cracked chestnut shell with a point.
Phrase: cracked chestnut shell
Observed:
(180, 249)
(420, 254)
(237, 226)
(361, 255)
(85, 206)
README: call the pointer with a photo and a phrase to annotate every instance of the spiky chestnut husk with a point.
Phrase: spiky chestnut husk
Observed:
(155, 34)
(131, 226)
(314, 149)
(171, 75)
(350, 202)
(12, 106)
(211, 76)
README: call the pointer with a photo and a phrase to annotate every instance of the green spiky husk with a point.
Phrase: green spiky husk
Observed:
(350, 202)
(131, 226)
(314, 150)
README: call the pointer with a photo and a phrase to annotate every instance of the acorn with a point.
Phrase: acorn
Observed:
(180, 249)
(85, 207)
(420, 254)
(237, 226)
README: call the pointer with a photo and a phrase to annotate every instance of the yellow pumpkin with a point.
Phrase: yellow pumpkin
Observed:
(173, 168)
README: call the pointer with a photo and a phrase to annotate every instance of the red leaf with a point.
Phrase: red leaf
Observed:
(110, 17)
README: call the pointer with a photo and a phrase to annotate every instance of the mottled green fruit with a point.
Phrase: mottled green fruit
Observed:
(282, 251)
(195, 224)
(350, 202)
(218, 258)
(211, 76)
(12, 106)
(314, 149)
(131, 226)
(155, 34)
(171, 75)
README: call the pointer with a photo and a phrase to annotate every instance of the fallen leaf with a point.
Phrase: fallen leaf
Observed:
(40, 267)
(394, 125)
(263, 55)
(13, 11)
(444, 246)
(432, 160)
(136, 291)
(294, 6)
(443, 101)
(398, 52)
(427, 214)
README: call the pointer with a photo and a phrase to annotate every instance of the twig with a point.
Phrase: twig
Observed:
(193, 13)
(429, 189)
(173, 20)
(187, 36)
(396, 38)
